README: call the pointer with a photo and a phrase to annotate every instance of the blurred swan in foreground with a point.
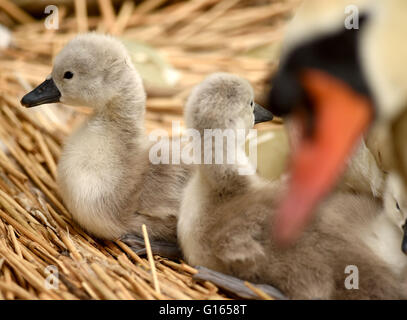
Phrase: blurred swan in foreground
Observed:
(334, 81)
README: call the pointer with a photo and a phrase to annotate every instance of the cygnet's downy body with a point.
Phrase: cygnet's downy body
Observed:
(224, 219)
(105, 176)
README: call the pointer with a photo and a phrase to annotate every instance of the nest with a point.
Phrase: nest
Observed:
(40, 245)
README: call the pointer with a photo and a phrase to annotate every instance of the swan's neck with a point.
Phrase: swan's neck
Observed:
(125, 111)
(226, 168)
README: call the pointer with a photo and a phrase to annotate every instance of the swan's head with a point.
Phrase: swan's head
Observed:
(395, 204)
(224, 101)
(91, 70)
(342, 69)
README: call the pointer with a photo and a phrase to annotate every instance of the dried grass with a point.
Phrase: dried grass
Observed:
(36, 230)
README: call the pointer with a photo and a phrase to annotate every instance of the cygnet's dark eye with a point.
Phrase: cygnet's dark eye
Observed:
(252, 104)
(68, 75)
(397, 206)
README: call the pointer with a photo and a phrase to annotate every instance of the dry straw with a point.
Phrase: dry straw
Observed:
(36, 230)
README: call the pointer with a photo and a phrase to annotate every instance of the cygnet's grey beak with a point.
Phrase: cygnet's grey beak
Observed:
(46, 92)
(261, 114)
(404, 243)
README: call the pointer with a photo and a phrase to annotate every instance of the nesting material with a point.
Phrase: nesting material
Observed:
(43, 254)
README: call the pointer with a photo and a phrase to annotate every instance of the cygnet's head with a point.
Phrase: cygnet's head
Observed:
(223, 101)
(91, 70)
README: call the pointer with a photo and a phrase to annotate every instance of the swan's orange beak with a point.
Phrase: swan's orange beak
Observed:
(341, 116)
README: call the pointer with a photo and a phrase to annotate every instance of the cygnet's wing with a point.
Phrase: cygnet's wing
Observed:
(240, 236)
